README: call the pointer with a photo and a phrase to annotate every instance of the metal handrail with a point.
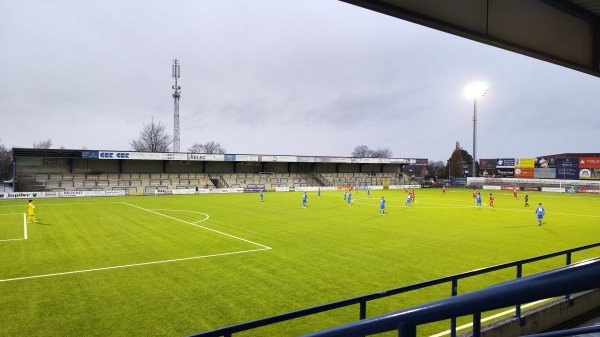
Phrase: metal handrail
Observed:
(578, 277)
(362, 300)
(569, 332)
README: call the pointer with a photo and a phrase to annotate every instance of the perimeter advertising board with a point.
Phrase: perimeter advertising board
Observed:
(589, 162)
(567, 168)
(90, 154)
(487, 167)
(141, 155)
(524, 172)
(544, 162)
(285, 159)
(544, 173)
(505, 163)
(63, 194)
(589, 168)
(245, 157)
(487, 163)
(399, 161)
(589, 174)
(205, 157)
(525, 162)
(505, 172)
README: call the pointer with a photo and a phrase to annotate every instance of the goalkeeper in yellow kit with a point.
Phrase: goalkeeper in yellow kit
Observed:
(30, 212)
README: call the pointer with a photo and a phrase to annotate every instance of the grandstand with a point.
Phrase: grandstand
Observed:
(51, 170)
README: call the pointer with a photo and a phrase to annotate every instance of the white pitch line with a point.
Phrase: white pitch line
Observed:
(25, 225)
(24, 228)
(21, 239)
(468, 325)
(127, 265)
(193, 224)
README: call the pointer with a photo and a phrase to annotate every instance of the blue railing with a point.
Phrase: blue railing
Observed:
(574, 278)
(361, 301)
(568, 333)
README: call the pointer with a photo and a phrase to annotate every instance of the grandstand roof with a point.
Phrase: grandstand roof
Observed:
(563, 32)
(571, 155)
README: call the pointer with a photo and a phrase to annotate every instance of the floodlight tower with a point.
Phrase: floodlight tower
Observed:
(475, 90)
(176, 95)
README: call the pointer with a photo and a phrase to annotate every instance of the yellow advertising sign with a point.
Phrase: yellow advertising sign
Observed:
(525, 162)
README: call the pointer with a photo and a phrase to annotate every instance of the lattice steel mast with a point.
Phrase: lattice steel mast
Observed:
(176, 95)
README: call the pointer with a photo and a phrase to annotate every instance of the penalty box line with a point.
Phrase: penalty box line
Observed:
(24, 228)
(196, 225)
(126, 266)
(263, 247)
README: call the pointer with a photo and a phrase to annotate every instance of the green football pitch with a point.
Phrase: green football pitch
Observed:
(182, 264)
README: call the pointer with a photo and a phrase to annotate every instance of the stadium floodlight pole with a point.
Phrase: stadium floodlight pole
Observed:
(474, 90)
(176, 96)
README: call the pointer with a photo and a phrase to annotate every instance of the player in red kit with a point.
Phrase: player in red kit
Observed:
(474, 193)
(491, 200)
(515, 190)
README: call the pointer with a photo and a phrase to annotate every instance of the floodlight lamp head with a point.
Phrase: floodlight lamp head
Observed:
(476, 89)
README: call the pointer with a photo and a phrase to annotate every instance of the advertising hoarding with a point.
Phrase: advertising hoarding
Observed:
(544, 173)
(525, 162)
(505, 163)
(524, 172)
(567, 168)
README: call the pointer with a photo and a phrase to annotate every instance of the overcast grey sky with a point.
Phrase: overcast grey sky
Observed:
(297, 77)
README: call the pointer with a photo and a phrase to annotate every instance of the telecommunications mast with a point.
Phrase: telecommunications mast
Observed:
(176, 95)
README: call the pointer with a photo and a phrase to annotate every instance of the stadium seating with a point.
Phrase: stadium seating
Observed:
(148, 182)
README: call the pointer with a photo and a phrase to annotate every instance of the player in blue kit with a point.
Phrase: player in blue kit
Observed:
(345, 194)
(304, 197)
(349, 198)
(540, 211)
(382, 206)
(478, 200)
(319, 192)
(408, 199)
(261, 196)
(368, 192)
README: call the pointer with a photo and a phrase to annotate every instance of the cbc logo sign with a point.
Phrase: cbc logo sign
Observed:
(114, 155)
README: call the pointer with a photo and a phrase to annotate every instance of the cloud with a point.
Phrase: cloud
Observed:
(273, 77)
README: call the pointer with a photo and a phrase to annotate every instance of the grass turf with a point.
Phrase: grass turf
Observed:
(177, 265)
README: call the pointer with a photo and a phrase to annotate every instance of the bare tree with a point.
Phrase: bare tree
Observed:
(436, 169)
(196, 148)
(214, 147)
(361, 151)
(209, 147)
(153, 138)
(5, 162)
(43, 145)
(381, 153)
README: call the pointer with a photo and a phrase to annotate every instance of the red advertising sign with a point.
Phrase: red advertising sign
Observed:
(589, 162)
